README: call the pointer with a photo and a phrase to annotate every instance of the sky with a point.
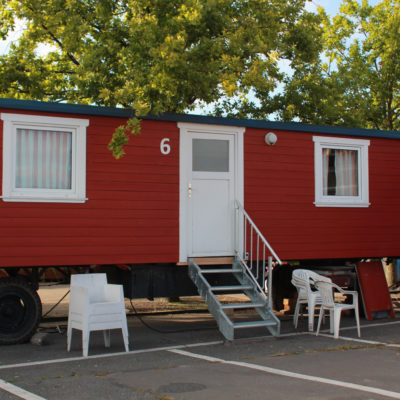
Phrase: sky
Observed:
(331, 6)
(5, 44)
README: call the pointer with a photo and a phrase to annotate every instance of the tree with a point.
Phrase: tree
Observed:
(151, 55)
(356, 82)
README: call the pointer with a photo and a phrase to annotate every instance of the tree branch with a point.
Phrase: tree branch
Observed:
(59, 43)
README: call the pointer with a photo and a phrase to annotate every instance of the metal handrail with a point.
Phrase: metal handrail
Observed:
(254, 257)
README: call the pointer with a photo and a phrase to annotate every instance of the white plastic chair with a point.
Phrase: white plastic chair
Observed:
(326, 290)
(303, 280)
(95, 305)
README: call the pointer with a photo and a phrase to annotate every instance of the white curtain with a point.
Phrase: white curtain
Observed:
(340, 172)
(43, 159)
(346, 172)
(325, 170)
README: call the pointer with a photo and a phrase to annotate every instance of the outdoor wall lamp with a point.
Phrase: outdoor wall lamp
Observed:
(270, 138)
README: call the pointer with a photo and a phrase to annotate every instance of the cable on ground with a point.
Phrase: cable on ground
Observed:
(137, 315)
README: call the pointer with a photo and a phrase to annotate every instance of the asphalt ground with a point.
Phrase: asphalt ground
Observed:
(184, 356)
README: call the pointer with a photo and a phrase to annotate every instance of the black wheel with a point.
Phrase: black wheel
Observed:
(20, 310)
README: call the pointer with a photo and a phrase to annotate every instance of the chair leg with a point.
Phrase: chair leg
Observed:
(321, 316)
(125, 337)
(311, 310)
(337, 312)
(331, 321)
(85, 342)
(69, 337)
(107, 335)
(296, 314)
(357, 321)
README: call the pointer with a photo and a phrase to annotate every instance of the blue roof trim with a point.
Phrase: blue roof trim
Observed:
(31, 105)
(64, 108)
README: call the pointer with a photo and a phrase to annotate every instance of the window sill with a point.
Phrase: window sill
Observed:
(344, 204)
(43, 199)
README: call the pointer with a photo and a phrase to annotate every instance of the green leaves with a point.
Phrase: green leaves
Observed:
(121, 137)
(155, 55)
(152, 55)
(357, 80)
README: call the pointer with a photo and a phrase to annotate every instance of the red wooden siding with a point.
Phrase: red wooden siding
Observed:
(279, 196)
(132, 215)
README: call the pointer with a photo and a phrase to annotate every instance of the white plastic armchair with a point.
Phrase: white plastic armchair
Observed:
(95, 305)
(307, 294)
(326, 290)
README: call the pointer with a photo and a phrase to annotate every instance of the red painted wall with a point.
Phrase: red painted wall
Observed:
(132, 215)
(279, 196)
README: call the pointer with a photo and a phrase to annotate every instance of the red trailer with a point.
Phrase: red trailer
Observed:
(315, 192)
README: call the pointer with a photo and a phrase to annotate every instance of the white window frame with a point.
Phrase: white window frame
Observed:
(77, 127)
(361, 146)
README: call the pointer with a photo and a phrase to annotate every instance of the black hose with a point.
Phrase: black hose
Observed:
(137, 315)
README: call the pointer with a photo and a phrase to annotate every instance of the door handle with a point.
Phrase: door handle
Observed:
(190, 190)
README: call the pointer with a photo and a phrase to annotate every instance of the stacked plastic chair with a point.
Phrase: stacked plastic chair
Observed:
(308, 294)
(326, 290)
(95, 305)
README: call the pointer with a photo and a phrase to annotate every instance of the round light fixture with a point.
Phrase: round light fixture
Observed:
(270, 138)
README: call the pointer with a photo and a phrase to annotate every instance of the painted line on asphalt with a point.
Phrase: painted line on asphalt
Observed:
(17, 391)
(166, 348)
(97, 356)
(133, 352)
(366, 326)
(356, 339)
(347, 328)
(377, 324)
(288, 374)
(359, 340)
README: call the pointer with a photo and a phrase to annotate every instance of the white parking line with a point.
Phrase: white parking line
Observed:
(187, 346)
(356, 339)
(359, 340)
(366, 326)
(288, 374)
(17, 391)
(133, 352)
(97, 356)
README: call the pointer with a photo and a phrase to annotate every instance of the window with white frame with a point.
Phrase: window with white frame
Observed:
(44, 158)
(341, 172)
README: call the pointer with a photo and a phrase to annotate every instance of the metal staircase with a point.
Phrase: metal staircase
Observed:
(242, 277)
(203, 278)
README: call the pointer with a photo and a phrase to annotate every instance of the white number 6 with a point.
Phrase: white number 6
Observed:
(164, 146)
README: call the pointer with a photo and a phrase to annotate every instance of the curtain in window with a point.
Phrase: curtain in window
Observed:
(325, 170)
(43, 159)
(340, 172)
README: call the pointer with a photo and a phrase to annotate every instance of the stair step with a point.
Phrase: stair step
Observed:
(229, 288)
(242, 305)
(210, 261)
(253, 324)
(220, 271)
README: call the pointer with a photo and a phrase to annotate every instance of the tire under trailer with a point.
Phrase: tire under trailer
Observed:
(20, 310)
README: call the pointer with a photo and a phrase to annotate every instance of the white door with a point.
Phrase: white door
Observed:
(208, 191)
(211, 195)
